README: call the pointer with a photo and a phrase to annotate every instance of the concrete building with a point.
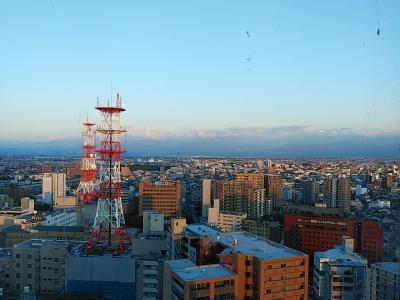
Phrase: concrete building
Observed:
(39, 264)
(340, 273)
(310, 229)
(309, 191)
(61, 218)
(260, 269)
(206, 197)
(204, 282)
(226, 221)
(107, 275)
(54, 185)
(330, 192)
(287, 194)
(343, 194)
(269, 230)
(273, 190)
(384, 281)
(152, 221)
(175, 238)
(14, 234)
(164, 197)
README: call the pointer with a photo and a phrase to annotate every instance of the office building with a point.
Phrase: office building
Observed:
(269, 230)
(337, 193)
(310, 229)
(39, 264)
(343, 194)
(163, 197)
(225, 221)
(61, 218)
(385, 281)
(330, 192)
(273, 190)
(54, 185)
(339, 273)
(309, 191)
(242, 195)
(261, 269)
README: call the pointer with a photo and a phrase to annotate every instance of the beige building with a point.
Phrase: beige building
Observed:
(54, 186)
(226, 221)
(40, 265)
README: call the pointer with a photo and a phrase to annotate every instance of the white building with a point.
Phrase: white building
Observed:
(152, 221)
(54, 185)
(226, 221)
(339, 273)
(61, 218)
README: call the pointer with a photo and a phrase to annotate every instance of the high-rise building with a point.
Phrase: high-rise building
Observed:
(44, 168)
(330, 194)
(226, 221)
(256, 179)
(339, 273)
(269, 230)
(273, 190)
(164, 197)
(309, 191)
(337, 193)
(242, 195)
(54, 186)
(207, 184)
(385, 281)
(343, 194)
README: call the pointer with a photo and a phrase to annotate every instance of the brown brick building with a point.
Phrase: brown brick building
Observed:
(164, 197)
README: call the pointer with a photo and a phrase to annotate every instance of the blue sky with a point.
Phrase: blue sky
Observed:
(189, 68)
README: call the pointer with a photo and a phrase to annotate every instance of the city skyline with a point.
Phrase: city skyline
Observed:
(257, 72)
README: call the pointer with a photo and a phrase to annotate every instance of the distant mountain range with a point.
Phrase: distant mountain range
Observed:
(349, 146)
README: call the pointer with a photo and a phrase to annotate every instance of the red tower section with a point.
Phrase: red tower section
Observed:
(87, 190)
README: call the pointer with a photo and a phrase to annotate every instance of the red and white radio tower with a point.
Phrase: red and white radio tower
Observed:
(87, 189)
(108, 228)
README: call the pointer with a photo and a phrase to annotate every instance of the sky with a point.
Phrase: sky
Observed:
(194, 69)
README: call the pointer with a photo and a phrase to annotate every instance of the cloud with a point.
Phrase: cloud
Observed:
(265, 133)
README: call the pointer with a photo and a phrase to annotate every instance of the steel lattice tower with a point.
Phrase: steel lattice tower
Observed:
(108, 228)
(87, 189)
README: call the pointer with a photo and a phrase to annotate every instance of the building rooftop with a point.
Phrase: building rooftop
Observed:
(202, 230)
(179, 264)
(245, 242)
(254, 245)
(39, 242)
(203, 272)
(392, 267)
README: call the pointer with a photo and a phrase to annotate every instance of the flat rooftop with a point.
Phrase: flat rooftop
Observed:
(39, 242)
(203, 272)
(247, 243)
(179, 264)
(254, 245)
